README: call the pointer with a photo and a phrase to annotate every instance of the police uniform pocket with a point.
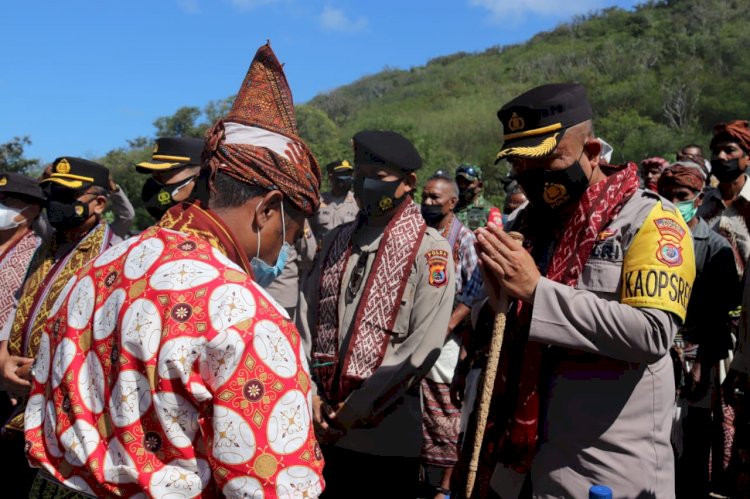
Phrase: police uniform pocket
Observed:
(600, 276)
(401, 325)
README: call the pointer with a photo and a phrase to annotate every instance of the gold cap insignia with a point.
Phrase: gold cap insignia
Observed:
(63, 166)
(3, 181)
(156, 148)
(554, 194)
(515, 123)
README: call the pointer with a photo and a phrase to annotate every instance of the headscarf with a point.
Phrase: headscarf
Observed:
(655, 161)
(734, 131)
(683, 174)
(257, 142)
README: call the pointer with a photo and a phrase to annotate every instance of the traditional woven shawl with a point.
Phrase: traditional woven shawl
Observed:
(512, 428)
(377, 309)
(41, 291)
(14, 262)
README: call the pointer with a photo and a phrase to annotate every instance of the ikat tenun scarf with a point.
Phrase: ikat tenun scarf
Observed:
(514, 421)
(40, 293)
(377, 309)
(14, 263)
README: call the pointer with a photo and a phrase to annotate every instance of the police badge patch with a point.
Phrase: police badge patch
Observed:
(437, 261)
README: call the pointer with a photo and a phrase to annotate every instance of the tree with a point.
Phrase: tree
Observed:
(12, 158)
(181, 124)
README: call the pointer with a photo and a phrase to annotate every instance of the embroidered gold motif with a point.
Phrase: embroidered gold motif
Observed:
(545, 147)
(63, 166)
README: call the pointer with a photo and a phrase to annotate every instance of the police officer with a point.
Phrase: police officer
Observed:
(585, 389)
(375, 315)
(174, 168)
(337, 206)
(472, 209)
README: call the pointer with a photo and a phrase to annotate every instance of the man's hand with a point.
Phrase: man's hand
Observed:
(324, 422)
(457, 389)
(15, 376)
(506, 264)
(112, 184)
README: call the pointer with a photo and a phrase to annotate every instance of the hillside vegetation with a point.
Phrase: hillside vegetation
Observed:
(658, 78)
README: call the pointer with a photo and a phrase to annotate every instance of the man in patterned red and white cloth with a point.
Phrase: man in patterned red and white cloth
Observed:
(165, 369)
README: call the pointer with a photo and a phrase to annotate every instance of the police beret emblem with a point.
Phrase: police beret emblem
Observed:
(63, 166)
(3, 181)
(516, 122)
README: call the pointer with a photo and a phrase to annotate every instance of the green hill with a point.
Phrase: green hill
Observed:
(658, 77)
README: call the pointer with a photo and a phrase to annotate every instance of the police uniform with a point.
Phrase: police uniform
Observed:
(608, 394)
(335, 210)
(285, 288)
(383, 414)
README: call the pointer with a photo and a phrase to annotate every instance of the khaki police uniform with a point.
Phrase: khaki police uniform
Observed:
(333, 211)
(285, 288)
(611, 390)
(417, 337)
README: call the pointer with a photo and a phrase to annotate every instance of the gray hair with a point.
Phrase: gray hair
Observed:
(451, 183)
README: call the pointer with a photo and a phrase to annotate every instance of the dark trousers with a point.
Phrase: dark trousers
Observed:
(692, 467)
(349, 474)
(16, 475)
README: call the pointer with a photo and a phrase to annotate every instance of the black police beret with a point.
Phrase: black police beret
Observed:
(535, 122)
(387, 149)
(172, 152)
(16, 184)
(77, 173)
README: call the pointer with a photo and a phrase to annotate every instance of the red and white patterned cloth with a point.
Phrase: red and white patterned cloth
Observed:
(165, 370)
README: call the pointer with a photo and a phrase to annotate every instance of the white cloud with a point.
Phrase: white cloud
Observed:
(332, 19)
(250, 4)
(513, 10)
(189, 6)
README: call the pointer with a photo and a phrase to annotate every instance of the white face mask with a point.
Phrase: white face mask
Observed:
(7, 217)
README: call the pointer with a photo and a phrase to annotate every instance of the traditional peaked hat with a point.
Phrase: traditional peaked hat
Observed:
(257, 141)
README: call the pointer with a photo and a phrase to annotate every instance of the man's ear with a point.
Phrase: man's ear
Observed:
(452, 202)
(593, 149)
(699, 200)
(100, 203)
(410, 181)
(264, 207)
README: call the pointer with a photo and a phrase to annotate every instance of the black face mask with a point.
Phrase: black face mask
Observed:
(432, 214)
(64, 216)
(377, 197)
(554, 190)
(726, 170)
(158, 198)
(343, 184)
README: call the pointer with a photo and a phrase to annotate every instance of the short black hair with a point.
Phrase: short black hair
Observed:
(228, 192)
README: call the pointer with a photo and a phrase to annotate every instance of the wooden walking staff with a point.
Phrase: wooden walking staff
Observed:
(488, 382)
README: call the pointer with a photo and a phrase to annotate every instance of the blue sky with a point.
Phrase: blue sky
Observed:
(81, 77)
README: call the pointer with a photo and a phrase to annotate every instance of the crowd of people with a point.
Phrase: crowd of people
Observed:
(263, 339)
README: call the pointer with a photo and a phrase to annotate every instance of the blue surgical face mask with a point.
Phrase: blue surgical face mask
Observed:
(687, 209)
(264, 273)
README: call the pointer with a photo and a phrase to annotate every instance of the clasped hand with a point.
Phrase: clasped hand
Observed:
(505, 265)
